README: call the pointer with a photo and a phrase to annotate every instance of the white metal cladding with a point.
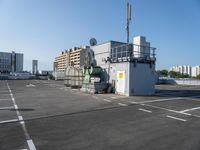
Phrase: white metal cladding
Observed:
(142, 79)
(139, 71)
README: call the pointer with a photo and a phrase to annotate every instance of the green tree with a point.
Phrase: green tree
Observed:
(162, 73)
(174, 74)
(198, 76)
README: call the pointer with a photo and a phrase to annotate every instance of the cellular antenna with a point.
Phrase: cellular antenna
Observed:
(128, 21)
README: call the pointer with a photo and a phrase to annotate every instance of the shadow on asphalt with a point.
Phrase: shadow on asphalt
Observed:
(178, 92)
(22, 109)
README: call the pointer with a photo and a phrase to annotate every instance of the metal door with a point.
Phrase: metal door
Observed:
(120, 82)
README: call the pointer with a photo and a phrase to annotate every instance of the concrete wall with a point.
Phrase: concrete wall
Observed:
(179, 81)
(142, 79)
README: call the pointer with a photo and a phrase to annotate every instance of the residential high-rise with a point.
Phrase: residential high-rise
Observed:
(191, 71)
(11, 62)
(70, 57)
(62, 61)
(34, 66)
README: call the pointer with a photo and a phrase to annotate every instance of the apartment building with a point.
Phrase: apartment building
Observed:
(69, 57)
(191, 71)
(195, 71)
(61, 61)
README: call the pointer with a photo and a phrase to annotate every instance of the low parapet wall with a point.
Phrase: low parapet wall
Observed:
(179, 81)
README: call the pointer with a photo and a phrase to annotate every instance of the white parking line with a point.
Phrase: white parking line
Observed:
(107, 100)
(170, 110)
(9, 107)
(118, 97)
(121, 104)
(186, 110)
(176, 118)
(158, 100)
(145, 110)
(133, 102)
(31, 145)
(8, 121)
(30, 85)
(20, 118)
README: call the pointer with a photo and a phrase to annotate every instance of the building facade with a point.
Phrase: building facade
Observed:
(61, 61)
(186, 69)
(34, 67)
(69, 57)
(195, 71)
(129, 68)
(11, 62)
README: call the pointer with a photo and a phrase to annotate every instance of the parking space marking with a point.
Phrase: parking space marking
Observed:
(176, 118)
(145, 110)
(30, 85)
(133, 102)
(107, 100)
(16, 107)
(158, 100)
(170, 110)
(121, 104)
(8, 121)
(118, 97)
(20, 118)
(9, 107)
(186, 110)
(31, 145)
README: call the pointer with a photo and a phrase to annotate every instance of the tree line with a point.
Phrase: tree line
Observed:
(174, 74)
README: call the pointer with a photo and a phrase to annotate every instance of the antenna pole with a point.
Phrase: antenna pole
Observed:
(128, 21)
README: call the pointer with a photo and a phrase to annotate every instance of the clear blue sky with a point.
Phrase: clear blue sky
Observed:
(41, 29)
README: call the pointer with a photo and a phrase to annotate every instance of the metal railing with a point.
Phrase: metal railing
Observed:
(132, 51)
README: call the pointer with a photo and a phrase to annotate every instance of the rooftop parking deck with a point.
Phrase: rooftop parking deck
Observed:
(40, 114)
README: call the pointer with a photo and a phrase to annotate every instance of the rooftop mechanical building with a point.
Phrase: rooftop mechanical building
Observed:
(129, 68)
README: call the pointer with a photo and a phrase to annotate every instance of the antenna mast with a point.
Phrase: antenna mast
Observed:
(128, 21)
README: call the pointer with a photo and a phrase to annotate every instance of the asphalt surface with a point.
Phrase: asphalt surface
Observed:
(45, 115)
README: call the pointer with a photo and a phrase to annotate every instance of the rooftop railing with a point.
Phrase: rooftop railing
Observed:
(129, 52)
